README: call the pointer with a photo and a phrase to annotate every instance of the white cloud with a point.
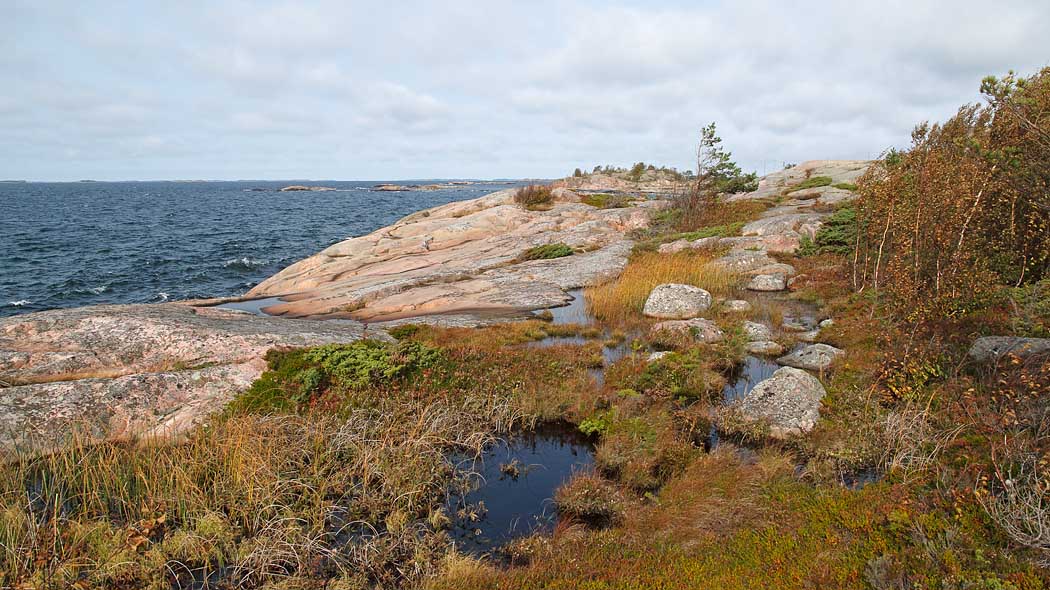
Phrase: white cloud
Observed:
(350, 89)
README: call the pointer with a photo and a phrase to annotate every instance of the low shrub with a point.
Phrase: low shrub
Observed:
(812, 182)
(606, 201)
(534, 197)
(590, 498)
(846, 186)
(838, 235)
(546, 252)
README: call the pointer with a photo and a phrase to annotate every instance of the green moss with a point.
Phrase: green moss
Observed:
(546, 252)
(846, 186)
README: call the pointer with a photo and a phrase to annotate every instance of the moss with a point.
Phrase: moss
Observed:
(546, 252)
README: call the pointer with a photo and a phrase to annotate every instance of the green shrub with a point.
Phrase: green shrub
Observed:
(813, 182)
(606, 201)
(837, 235)
(534, 197)
(846, 186)
(546, 252)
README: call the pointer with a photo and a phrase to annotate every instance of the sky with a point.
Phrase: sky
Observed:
(409, 89)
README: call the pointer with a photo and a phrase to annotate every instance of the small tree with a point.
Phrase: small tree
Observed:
(577, 173)
(716, 174)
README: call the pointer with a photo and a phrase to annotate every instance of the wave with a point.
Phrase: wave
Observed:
(162, 296)
(245, 263)
(19, 303)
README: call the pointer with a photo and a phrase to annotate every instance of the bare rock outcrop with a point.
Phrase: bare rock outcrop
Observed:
(121, 371)
(459, 258)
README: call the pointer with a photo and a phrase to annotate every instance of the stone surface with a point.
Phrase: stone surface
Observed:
(700, 329)
(756, 331)
(789, 400)
(809, 336)
(679, 245)
(764, 347)
(776, 183)
(126, 370)
(993, 348)
(676, 301)
(459, 258)
(655, 356)
(815, 357)
(770, 282)
(826, 323)
(736, 306)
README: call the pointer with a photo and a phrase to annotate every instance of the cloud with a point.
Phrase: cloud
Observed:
(413, 89)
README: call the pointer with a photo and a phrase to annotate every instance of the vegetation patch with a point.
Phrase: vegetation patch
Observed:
(606, 201)
(534, 197)
(546, 252)
(846, 186)
(837, 234)
(812, 182)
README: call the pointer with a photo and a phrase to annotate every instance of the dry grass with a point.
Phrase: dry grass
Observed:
(621, 301)
(534, 197)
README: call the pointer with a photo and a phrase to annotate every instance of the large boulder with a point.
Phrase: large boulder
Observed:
(756, 332)
(815, 357)
(992, 348)
(698, 329)
(673, 301)
(772, 282)
(789, 400)
(122, 371)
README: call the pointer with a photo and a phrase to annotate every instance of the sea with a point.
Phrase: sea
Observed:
(68, 244)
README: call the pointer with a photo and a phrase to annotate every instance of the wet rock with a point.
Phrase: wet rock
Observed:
(699, 329)
(126, 370)
(676, 301)
(737, 306)
(757, 332)
(770, 282)
(815, 357)
(789, 401)
(764, 348)
(992, 348)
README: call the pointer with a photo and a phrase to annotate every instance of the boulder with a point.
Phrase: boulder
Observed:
(756, 332)
(764, 348)
(737, 306)
(992, 348)
(698, 328)
(771, 282)
(815, 357)
(675, 301)
(789, 400)
(655, 356)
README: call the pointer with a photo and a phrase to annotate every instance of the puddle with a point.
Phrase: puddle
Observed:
(746, 376)
(254, 306)
(516, 480)
(573, 313)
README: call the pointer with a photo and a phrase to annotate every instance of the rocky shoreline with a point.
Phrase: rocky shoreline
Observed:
(132, 370)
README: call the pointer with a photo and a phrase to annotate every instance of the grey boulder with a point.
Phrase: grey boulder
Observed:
(771, 282)
(815, 357)
(789, 400)
(672, 301)
(992, 348)
(699, 329)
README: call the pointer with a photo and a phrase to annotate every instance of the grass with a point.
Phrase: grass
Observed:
(846, 186)
(534, 197)
(621, 301)
(546, 252)
(606, 201)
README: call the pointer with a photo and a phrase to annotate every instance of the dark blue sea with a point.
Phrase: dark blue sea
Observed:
(83, 243)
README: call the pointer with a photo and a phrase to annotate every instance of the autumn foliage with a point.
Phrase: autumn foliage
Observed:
(965, 209)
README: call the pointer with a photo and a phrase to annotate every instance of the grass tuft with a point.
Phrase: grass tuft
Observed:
(546, 252)
(534, 197)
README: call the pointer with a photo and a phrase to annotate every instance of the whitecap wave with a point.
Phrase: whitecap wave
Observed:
(245, 263)
(19, 303)
(99, 290)
(162, 296)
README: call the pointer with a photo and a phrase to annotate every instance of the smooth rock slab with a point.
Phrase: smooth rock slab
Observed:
(815, 357)
(992, 348)
(789, 400)
(775, 282)
(698, 328)
(673, 301)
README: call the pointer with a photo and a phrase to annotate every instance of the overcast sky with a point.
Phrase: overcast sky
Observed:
(403, 89)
